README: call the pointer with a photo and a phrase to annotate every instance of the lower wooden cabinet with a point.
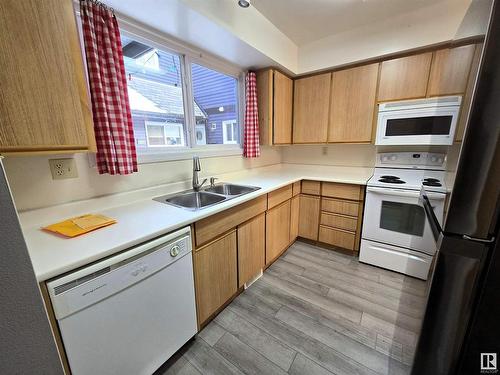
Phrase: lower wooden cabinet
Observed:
(251, 248)
(277, 230)
(309, 216)
(294, 218)
(337, 237)
(215, 271)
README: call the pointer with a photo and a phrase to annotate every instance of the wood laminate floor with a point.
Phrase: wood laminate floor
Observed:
(316, 312)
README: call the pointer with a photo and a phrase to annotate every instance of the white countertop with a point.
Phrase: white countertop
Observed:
(139, 218)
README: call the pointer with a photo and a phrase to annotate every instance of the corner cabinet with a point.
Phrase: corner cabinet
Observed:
(274, 95)
(311, 105)
(45, 105)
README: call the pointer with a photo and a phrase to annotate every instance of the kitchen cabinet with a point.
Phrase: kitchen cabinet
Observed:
(311, 105)
(467, 98)
(215, 274)
(45, 105)
(215, 225)
(309, 216)
(450, 70)
(352, 104)
(274, 96)
(294, 218)
(277, 230)
(344, 191)
(251, 248)
(279, 196)
(311, 187)
(404, 78)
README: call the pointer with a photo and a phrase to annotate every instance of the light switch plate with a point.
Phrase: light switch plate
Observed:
(63, 168)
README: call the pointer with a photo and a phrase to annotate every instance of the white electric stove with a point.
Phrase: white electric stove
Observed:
(396, 234)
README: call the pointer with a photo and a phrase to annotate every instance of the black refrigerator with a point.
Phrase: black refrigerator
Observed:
(461, 326)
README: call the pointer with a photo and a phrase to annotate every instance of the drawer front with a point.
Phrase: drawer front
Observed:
(212, 226)
(343, 191)
(337, 237)
(340, 207)
(311, 187)
(296, 188)
(338, 221)
(278, 196)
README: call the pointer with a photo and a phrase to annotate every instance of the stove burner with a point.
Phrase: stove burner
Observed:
(431, 183)
(388, 177)
(392, 181)
(431, 179)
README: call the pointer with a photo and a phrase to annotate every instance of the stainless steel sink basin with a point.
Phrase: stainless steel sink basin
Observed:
(230, 189)
(195, 200)
(192, 200)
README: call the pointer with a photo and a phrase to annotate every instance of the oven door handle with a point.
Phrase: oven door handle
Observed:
(405, 193)
(431, 216)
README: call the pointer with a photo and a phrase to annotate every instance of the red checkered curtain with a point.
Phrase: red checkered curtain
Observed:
(113, 127)
(251, 147)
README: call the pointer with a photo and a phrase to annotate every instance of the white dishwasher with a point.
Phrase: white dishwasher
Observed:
(129, 313)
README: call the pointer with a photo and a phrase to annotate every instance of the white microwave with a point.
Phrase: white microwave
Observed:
(430, 121)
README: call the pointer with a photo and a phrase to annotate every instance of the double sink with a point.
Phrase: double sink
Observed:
(207, 197)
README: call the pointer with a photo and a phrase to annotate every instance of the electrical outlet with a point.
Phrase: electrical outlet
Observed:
(63, 168)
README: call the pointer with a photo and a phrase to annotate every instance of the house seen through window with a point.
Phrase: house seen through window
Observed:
(160, 105)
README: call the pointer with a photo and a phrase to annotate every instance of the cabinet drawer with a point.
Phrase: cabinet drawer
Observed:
(339, 221)
(344, 191)
(279, 196)
(337, 237)
(340, 207)
(311, 187)
(214, 225)
(296, 188)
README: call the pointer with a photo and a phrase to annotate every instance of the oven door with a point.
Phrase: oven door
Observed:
(395, 216)
(417, 126)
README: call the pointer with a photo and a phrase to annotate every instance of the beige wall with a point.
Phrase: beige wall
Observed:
(33, 187)
(341, 155)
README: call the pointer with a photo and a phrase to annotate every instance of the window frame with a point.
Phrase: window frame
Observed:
(164, 125)
(187, 57)
(224, 131)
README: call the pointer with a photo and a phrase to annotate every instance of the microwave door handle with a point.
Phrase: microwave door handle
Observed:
(431, 216)
(404, 193)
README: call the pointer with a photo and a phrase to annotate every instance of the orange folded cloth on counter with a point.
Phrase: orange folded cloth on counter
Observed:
(80, 225)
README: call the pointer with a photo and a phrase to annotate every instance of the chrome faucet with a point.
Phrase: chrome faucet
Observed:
(197, 168)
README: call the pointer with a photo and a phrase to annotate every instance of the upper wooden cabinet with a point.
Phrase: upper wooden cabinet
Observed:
(311, 104)
(352, 104)
(467, 98)
(44, 105)
(274, 95)
(404, 78)
(450, 70)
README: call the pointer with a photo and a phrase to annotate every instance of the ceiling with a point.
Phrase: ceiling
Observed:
(305, 21)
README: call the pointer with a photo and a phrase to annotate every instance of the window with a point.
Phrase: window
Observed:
(164, 134)
(230, 131)
(217, 96)
(169, 116)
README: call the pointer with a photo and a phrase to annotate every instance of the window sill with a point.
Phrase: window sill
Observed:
(185, 154)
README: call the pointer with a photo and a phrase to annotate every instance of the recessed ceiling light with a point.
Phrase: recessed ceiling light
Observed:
(243, 3)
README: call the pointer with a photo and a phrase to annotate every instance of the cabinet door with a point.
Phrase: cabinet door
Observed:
(309, 217)
(277, 230)
(311, 104)
(352, 104)
(404, 78)
(283, 94)
(251, 248)
(265, 105)
(44, 103)
(450, 70)
(294, 218)
(215, 274)
(466, 101)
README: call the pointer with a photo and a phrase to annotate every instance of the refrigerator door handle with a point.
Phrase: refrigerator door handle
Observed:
(480, 240)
